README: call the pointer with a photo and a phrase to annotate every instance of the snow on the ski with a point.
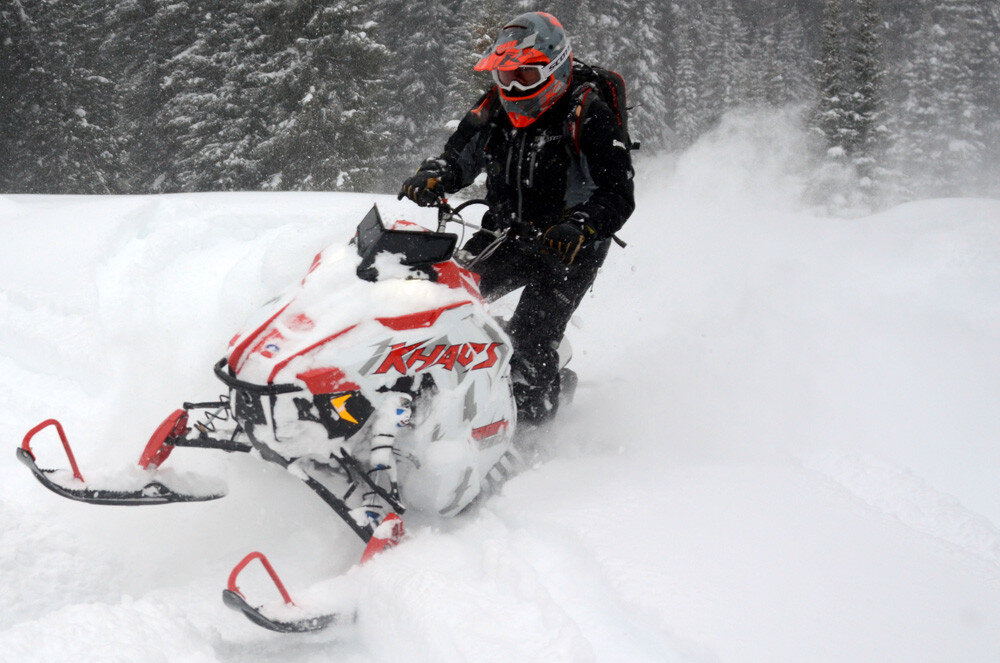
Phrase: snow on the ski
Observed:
(783, 447)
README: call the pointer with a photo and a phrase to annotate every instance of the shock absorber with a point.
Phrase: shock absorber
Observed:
(391, 415)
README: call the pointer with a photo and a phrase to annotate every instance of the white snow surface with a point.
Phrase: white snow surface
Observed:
(785, 445)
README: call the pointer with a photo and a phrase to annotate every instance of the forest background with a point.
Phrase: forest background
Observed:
(901, 98)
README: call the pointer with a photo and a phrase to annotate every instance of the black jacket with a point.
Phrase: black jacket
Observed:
(537, 174)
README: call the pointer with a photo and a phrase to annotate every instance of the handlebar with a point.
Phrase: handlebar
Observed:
(448, 214)
(525, 233)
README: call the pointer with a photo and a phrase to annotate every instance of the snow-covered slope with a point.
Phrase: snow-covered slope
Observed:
(784, 447)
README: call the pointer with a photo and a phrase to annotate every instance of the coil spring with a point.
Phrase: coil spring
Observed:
(210, 417)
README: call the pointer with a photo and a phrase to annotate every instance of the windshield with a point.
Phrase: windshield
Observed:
(420, 248)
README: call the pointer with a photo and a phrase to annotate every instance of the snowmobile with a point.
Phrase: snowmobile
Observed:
(380, 380)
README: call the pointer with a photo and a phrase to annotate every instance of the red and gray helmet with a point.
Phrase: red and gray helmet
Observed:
(531, 63)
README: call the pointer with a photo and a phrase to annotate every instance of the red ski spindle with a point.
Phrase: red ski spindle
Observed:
(26, 444)
(267, 566)
(386, 535)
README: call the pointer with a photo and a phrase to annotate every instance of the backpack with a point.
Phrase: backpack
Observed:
(610, 86)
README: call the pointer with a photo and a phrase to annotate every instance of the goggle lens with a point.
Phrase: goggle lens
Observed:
(525, 77)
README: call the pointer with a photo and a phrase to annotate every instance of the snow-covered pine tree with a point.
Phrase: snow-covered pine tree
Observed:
(984, 56)
(476, 27)
(688, 107)
(866, 95)
(420, 37)
(781, 63)
(143, 36)
(725, 58)
(330, 133)
(791, 52)
(578, 19)
(18, 55)
(765, 68)
(940, 119)
(832, 116)
(65, 111)
(632, 45)
(992, 85)
(208, 123)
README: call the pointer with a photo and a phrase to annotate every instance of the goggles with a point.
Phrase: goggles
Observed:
(525, 78)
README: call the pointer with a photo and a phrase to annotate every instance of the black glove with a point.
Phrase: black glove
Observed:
(565, 239)
(425, 187)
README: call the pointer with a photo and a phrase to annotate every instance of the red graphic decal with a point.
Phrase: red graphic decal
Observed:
(312, 268)
(268, 345)
(396, 358)
(402, 223)
(553, 94)
(427, 359)
(489, 430)
(491, 357)
(327, 381)
(417, 320)
(238, 352)
(284, 362)
(552, 18)
(448, 358)
(456, 277)
(508, 56)
(404, 357)
(300, 323)
(469, 352)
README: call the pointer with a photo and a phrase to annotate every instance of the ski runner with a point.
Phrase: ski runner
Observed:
(558, 195)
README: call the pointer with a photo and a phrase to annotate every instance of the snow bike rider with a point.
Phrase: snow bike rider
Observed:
(572, 191)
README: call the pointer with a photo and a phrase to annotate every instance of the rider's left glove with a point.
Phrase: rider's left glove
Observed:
(567, 238)
(426, 187)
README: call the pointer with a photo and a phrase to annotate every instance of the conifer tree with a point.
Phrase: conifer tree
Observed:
(424, 84)
(62, 121)
(725, 57)
(629, 41)
(209, 125)
(832, 117)
(144, 35)
(791, 53)
(940, 120)
(835, 182)
(866, 102)
(478, 25)
(689, 112)
(17, 58)
(579, 20)
(330, 135)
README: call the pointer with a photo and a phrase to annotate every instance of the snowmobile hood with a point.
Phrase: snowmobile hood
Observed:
(332, 309)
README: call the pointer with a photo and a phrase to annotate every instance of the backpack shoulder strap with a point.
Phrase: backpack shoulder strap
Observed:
(580, 102)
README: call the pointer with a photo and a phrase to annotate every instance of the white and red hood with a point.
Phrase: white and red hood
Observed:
(322, 331)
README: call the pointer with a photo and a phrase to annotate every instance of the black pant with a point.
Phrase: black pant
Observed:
(552, 292)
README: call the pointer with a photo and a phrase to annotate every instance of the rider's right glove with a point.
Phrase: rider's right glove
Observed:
(425, 187)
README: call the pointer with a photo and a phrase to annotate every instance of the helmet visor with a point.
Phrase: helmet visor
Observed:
(524, 79)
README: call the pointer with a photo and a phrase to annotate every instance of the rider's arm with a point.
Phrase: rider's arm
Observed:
(465, 151)
(610, 165)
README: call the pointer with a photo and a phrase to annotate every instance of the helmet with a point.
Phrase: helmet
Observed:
(531, 62)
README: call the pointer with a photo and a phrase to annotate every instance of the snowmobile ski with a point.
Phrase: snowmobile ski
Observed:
(143, 486)
(270, 616)
(234, 598)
